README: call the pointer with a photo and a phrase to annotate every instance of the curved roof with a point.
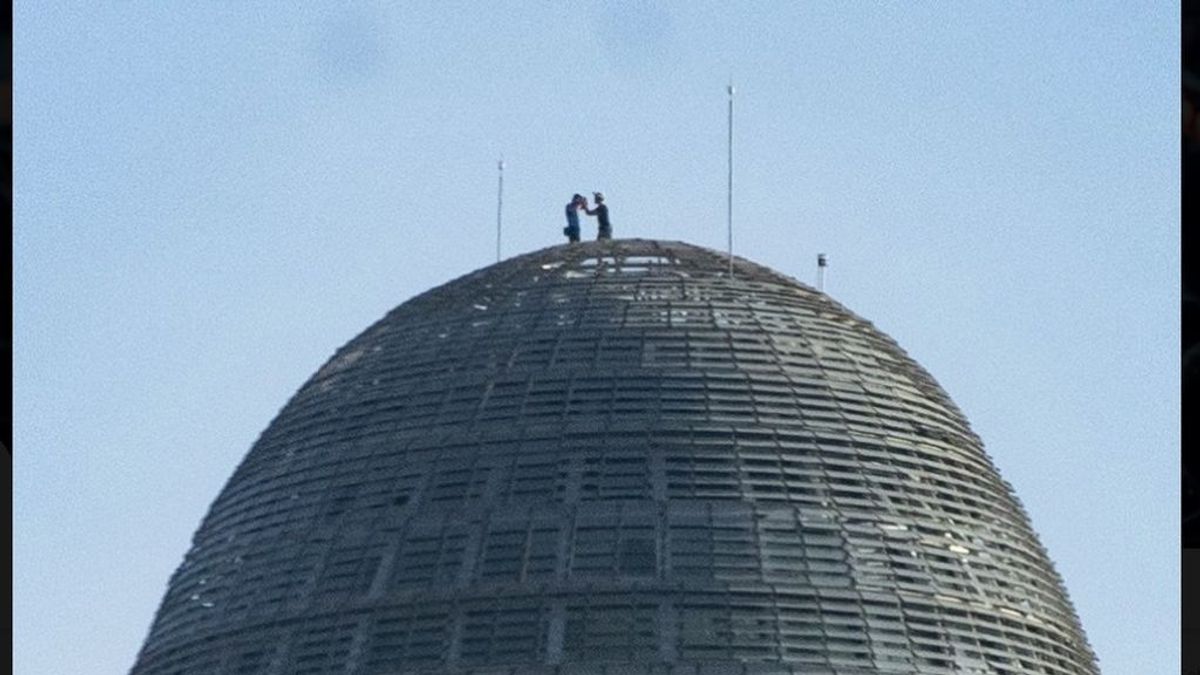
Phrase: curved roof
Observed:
(615, 454)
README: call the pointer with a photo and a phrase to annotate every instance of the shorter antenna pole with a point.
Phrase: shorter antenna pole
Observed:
(821, 265)
(499, 205)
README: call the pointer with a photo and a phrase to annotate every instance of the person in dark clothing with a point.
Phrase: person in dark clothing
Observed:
(601, 213)
(572, 228)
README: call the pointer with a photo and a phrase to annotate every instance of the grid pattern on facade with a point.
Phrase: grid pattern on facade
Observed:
(615, 453)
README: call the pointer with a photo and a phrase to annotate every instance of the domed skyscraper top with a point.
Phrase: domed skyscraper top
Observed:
(613, 457)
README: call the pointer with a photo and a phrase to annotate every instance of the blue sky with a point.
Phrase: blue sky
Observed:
(210, 198)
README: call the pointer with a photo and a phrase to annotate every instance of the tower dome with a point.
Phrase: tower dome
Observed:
(614, 457)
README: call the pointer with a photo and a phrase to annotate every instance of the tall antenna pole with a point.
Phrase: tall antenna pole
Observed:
(821, 264)
(499, 205)
(729, 195)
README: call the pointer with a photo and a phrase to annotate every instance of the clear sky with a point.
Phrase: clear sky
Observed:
(211, 197)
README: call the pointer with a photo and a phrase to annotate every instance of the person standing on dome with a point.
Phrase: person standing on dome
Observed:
(572, 228)
(601, 213)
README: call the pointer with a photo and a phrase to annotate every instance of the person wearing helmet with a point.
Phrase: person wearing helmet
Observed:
(572, 228)
(601, 213)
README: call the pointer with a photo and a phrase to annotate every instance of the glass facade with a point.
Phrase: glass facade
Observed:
(611, 457)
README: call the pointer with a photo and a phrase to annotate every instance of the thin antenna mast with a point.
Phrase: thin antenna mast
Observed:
(821, 264)
(729, 195)
(499, 205)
